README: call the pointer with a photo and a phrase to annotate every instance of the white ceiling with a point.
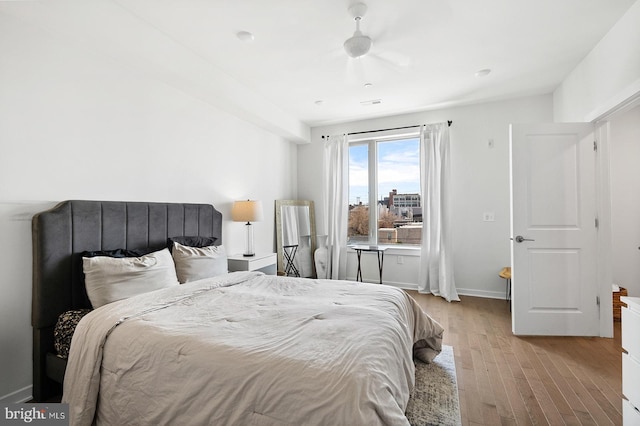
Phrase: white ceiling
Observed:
(424, 55)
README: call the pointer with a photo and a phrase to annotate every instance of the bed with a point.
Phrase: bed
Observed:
(238, 348)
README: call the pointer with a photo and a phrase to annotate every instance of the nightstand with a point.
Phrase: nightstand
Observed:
(631, 360)
(260, 262)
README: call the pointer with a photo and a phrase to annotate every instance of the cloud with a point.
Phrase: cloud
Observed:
(358, 175)
(398, 168)
(399, 162)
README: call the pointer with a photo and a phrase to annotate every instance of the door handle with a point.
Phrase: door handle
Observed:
(520, 238)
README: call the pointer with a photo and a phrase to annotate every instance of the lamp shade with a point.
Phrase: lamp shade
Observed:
(247, 211)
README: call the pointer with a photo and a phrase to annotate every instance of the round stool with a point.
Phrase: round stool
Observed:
(506, 274)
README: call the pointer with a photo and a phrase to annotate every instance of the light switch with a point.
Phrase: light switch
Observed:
(489, 216)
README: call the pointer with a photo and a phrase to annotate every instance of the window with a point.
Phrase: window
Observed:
(385, 173)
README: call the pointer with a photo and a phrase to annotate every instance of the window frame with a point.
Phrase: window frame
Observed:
(371, 139)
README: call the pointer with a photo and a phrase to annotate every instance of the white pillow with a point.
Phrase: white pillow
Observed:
(196, 263)
(108, 279)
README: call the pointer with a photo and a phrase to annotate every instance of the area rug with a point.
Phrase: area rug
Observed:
(434, 400)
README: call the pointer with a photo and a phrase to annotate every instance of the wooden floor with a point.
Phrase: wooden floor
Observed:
(509, 380)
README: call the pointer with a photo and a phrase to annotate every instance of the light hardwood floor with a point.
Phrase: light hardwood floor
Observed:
(509, 380)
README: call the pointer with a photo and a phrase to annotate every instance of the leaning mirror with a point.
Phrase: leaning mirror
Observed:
(295, 238)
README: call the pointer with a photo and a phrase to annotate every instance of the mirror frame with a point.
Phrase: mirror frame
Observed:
(312, 224)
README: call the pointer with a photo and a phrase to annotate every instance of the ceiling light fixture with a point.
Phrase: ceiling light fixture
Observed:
(483, 72)
(358, 44)
(368, 85)
(371, 102)
(245, 36)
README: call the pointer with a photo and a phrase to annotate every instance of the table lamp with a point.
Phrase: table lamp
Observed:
(247, 211)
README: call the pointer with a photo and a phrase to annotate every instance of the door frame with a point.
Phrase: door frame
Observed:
(604, 272)
(603, 181)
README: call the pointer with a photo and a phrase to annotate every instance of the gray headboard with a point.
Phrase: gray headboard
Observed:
(62, 233)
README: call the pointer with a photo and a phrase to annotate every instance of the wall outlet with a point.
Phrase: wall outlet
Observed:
(489, 216)
(400, 260)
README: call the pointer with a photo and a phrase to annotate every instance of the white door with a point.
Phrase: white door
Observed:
(553, 229)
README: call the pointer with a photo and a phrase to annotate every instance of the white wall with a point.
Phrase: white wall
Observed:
(606, 77)
(624, 152)
(608, 80)
(480, 177)
(75, 124)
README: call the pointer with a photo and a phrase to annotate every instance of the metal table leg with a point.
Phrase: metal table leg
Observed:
(380, 263)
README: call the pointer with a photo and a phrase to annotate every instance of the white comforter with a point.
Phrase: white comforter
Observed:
(250, 349)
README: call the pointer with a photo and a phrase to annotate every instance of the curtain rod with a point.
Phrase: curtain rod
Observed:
(449, 122)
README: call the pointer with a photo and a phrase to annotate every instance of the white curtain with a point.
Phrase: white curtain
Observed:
(436, 258)
(336, 201)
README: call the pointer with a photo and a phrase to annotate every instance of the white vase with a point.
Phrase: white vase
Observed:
(303, 257)
(320, 257)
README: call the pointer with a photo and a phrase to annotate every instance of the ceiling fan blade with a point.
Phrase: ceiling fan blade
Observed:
(356, 71)
(393, 59)
(382, 64)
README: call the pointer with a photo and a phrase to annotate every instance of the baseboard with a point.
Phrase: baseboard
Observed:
(21, 395)
(481, 293)
(405, 286)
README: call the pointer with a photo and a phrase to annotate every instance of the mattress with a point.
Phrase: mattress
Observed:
(247, 348)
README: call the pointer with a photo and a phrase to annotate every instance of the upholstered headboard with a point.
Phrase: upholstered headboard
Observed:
(62, 233)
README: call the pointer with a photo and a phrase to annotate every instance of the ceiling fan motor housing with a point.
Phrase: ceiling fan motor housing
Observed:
(358, 45)
(357, 10)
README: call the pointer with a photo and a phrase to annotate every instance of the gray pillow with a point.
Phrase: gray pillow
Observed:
(108, 279)
(196, 263)
(192, 241)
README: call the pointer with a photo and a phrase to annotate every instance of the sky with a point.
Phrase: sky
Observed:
(398, 168)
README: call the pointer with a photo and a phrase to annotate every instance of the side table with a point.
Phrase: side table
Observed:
(266, 263)
(380, 254)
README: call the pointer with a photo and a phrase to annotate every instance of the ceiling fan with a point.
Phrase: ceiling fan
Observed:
(358, 44)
